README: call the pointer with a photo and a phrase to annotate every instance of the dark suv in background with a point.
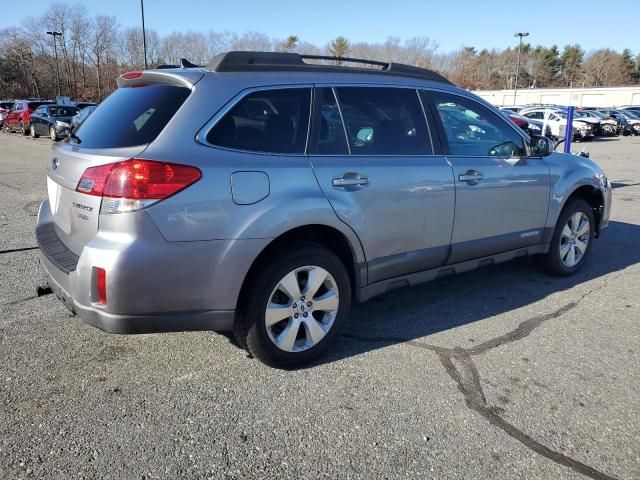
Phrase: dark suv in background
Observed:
(52, 120)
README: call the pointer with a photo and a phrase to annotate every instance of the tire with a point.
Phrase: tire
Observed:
(23, 129)
(53, 134)
(569, 239)
(32, 130)
(299, 313)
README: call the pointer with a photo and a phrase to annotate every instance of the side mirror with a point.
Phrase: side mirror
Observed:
(541, 146)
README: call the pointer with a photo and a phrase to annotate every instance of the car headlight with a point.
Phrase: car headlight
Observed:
(62, 124)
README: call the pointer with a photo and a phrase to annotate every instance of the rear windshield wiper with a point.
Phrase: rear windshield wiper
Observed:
(74, 137)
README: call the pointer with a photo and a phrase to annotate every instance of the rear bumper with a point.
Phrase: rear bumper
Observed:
(152, 285)
(216, 320)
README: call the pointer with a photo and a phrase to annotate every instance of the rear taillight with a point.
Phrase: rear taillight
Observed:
(135, 184)
(101, 284)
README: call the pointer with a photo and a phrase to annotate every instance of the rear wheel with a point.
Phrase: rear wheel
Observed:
(571, 242)
(53, 134)
(23, 129)
(295, 307)
(32, 129)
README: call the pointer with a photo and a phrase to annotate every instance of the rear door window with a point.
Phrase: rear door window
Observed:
(329, 135)
(266, 121)
(131, 116)
(384, 121)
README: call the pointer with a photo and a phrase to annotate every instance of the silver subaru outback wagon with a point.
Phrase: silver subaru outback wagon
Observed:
(264, 194)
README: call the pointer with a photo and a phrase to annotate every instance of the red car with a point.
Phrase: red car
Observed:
(4, 110)
(17, 119)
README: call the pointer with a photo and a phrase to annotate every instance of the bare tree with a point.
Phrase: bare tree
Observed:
(604, 67)
(94, 51)
(102, 36)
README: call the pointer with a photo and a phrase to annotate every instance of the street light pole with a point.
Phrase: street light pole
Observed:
(144, 36)
(55, 34)
(515, 90)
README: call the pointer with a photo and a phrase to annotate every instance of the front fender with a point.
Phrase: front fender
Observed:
(568, 174)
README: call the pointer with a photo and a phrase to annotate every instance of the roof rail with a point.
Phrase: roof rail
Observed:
(184, 63)
(243, 61)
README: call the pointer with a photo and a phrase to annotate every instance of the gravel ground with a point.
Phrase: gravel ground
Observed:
(499, 373)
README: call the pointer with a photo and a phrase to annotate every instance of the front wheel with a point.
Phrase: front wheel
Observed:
(53, 134)
(571, 242)
(295, 307)
(32, 129)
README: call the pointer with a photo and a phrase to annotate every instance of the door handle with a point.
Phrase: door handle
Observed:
(471, 177)
(350, 181)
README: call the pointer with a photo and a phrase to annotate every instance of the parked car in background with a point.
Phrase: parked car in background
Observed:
(4, 109)
(222, 199)
(529, 125)
(81, 116)
(511, 109)
(609, 126)
(20, 114)
(557, 121)
(630, 123)
(634, 120)
(634, 110)
(52, 120)
(601, 126)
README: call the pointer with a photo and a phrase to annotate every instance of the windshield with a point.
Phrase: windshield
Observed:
(63, 111)
(630, 114)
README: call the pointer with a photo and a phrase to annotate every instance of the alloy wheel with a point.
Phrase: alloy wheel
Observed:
(302, 309)
(574, 239)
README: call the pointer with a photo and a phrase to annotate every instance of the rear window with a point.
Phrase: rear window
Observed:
(131, 116)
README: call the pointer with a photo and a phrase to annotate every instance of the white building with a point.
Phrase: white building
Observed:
(579, 97)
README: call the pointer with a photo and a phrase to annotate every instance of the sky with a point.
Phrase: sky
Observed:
(452, 24)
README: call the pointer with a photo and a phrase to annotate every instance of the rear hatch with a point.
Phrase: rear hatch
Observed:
(119, 130)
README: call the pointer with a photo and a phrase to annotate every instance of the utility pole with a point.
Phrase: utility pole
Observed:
(55, 34)
(144, 36)
(515, 90)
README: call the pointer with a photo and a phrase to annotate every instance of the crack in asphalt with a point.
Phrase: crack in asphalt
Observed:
(459, 365)
(19, 300)
(14, 250)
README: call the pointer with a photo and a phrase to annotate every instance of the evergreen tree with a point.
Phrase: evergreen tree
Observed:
(339, 48)
(571, 62)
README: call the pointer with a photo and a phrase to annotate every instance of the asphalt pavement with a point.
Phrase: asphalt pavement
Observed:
(499, 373)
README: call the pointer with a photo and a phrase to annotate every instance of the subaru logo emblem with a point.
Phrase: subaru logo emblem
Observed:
(55, 161)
